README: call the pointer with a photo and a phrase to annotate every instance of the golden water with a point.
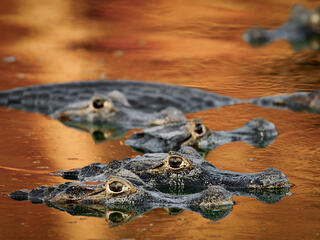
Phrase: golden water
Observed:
(189, 43)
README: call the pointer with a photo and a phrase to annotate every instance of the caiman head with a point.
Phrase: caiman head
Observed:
(97, 109)
(178, 172)
(116, 190)
(186, 171)
(169, 136)
(258, 132)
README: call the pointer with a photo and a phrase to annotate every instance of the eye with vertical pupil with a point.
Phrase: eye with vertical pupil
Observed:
(98, 103)
(175, 162)
(116, 217)
(198, 128)
(116, 186)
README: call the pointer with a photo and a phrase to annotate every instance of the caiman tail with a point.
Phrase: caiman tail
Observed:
(145, 96)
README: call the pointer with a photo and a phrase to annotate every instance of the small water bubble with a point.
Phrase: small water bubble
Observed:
(150, 224)
(143, 229)
(182, 219)
(118, 53)
(102, 75)
(251, 159)
(43, 167)
(20, 75)
(9, 59)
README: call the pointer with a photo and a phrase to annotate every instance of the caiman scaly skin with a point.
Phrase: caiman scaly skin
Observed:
(186, 171)
(299, 101)
(171, 137)
(126, 192)
(141, 96)
(302, 30)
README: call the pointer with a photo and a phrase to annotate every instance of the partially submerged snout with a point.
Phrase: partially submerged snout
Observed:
(256, 36)
(271, 178)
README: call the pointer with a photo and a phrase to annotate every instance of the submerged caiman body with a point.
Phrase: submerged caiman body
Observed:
(171, 137)
(299, 101)
(186, 171)
(126, 193)
(145, 96)
(302, 30)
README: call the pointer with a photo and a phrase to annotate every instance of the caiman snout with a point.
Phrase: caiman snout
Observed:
(270, 178)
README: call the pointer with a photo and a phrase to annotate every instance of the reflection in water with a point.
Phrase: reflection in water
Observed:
(100, 132)
(119, 215)
(258, 132)
(302, 30)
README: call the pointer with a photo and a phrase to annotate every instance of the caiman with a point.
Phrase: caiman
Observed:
(299, 101)
(171, 137)
(186, 171)
(302, 30)
(126, 192)
(83, 98)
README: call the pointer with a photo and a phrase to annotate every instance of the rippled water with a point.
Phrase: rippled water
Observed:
(190, 43)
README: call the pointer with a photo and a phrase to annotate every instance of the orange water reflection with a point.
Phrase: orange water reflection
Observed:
(181, 42)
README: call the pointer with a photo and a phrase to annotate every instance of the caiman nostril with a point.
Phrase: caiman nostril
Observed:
(116, 186)
(98, 103)
(175, 162)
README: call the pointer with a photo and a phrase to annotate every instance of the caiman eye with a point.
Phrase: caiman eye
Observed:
(116, 186)
(116, 217)
(198, 128)
(175, 162)
(98, 103)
